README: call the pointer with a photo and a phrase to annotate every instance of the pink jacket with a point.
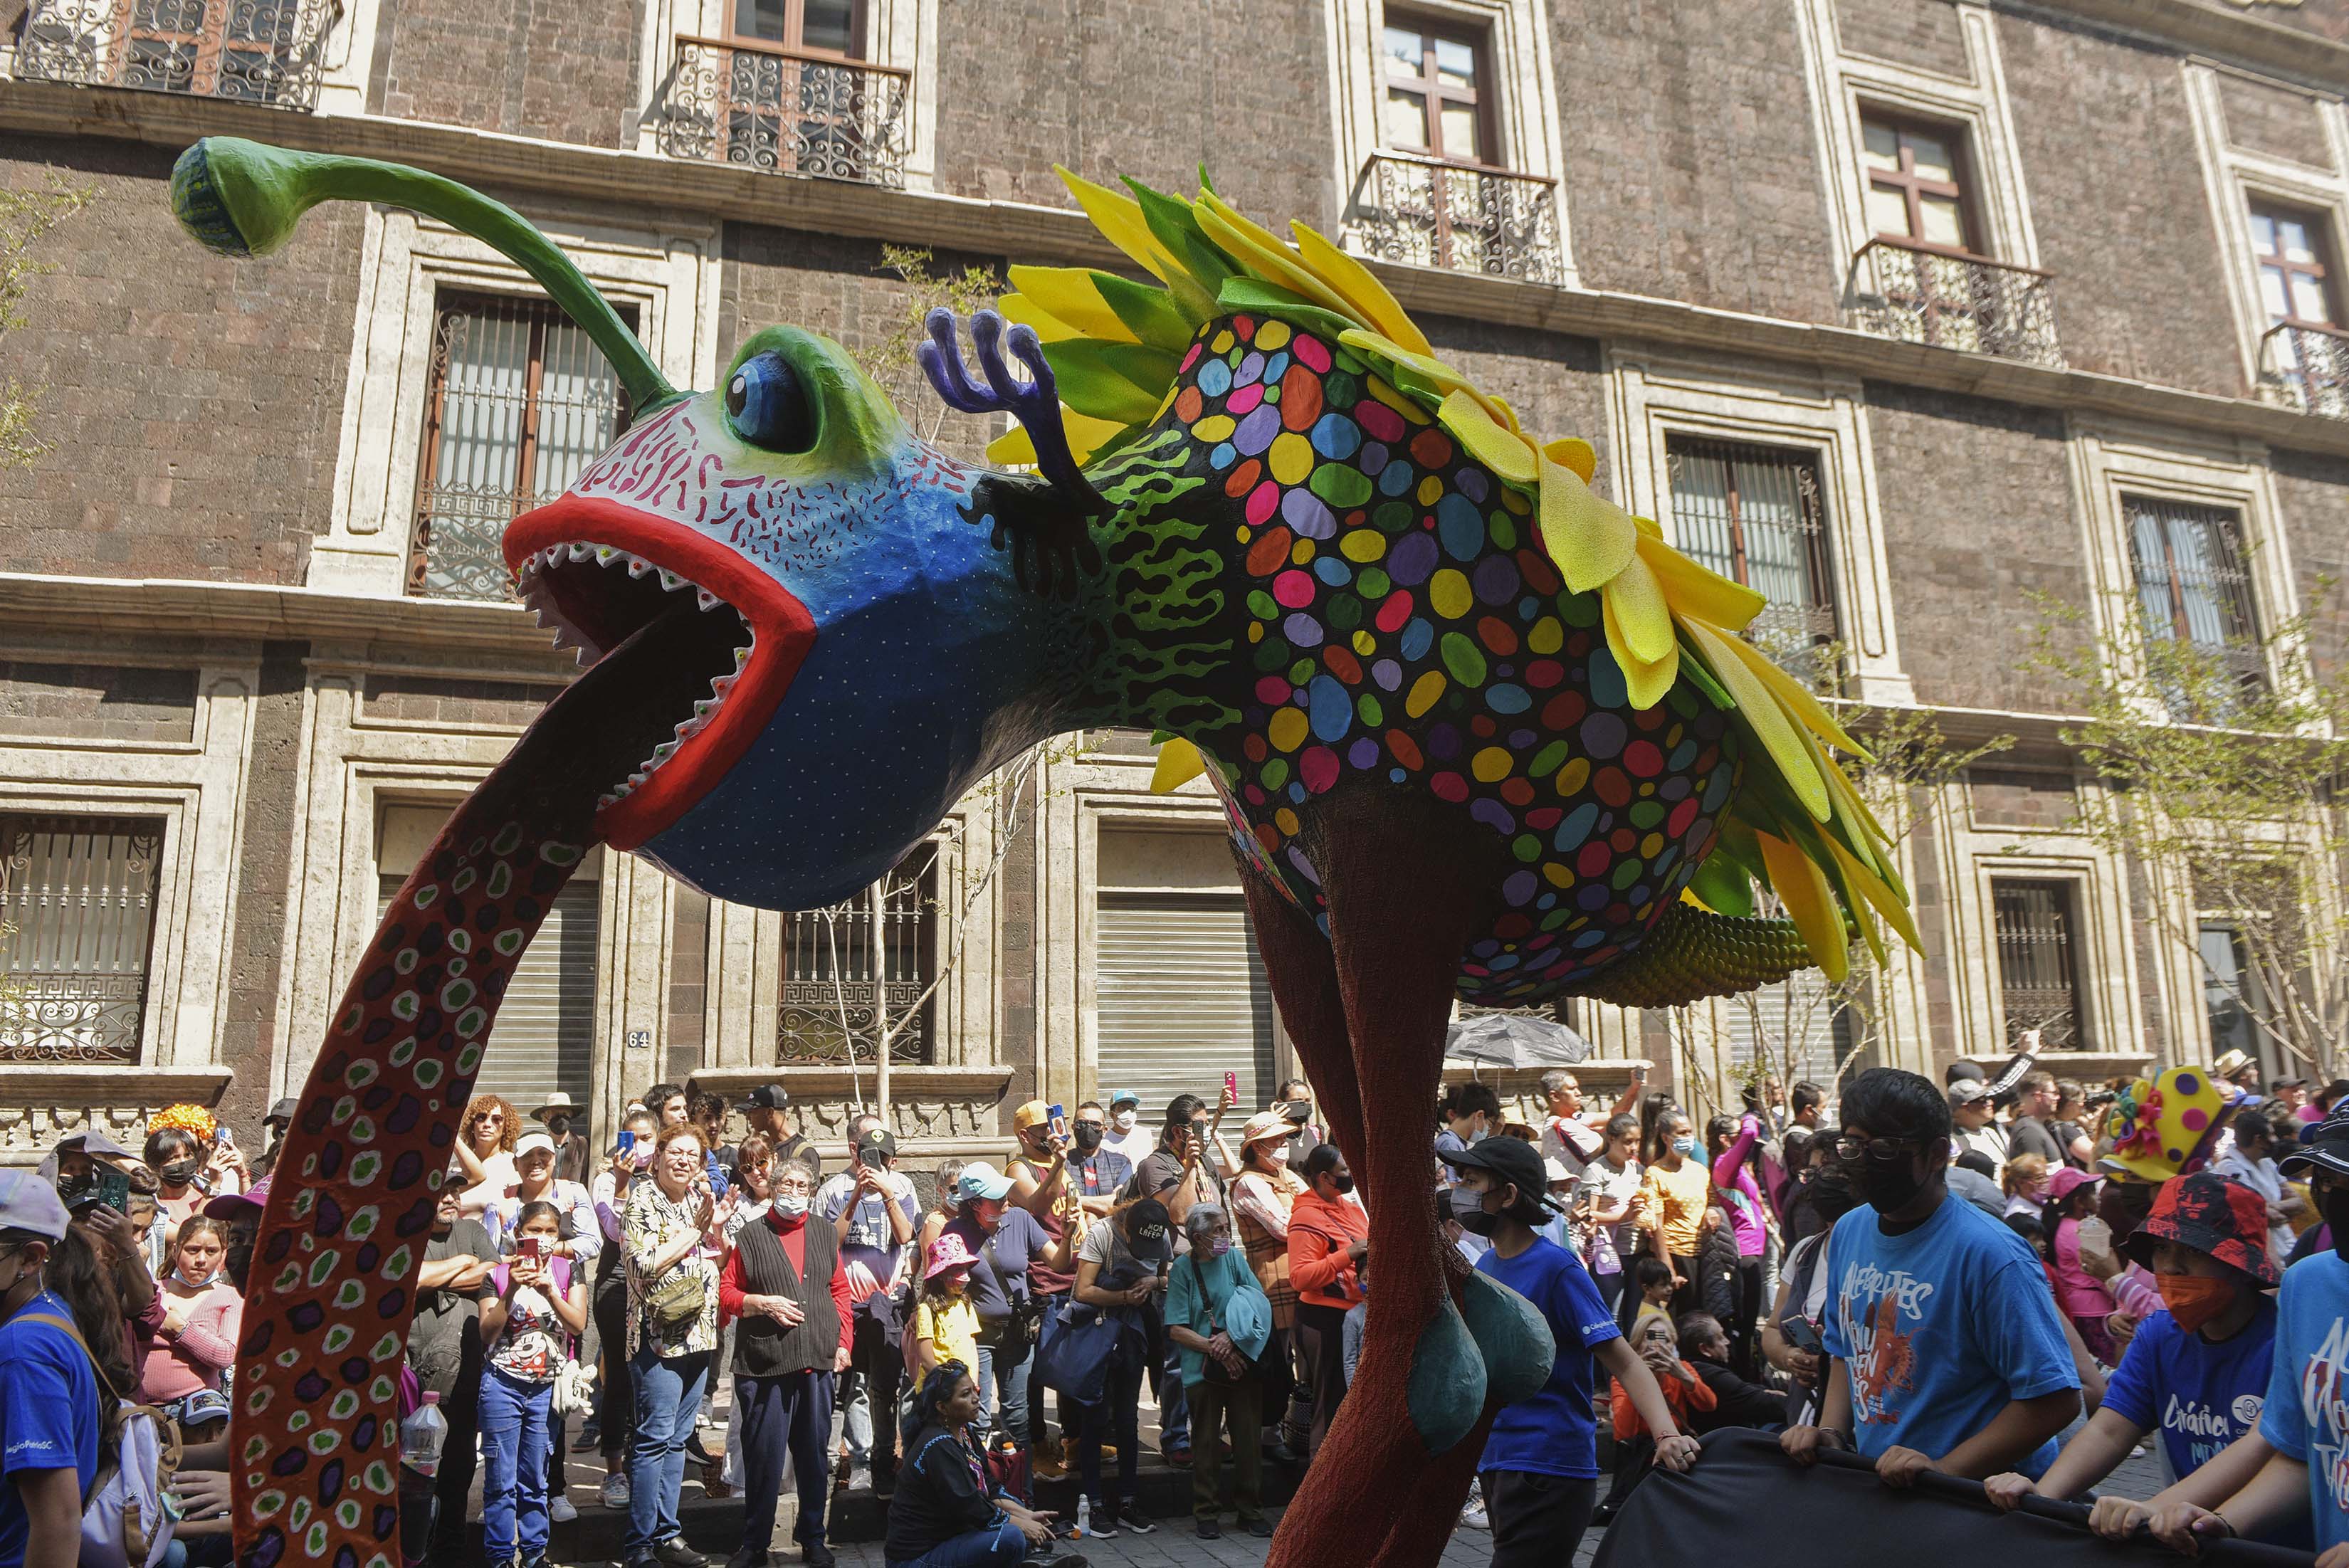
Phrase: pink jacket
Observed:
(206, 1342)
(2077, 1291)
(1732, 1174)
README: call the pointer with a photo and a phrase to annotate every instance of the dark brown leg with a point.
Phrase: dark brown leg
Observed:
(1304, 981)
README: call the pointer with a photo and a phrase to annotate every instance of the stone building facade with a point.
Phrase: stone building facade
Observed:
(1914, 312)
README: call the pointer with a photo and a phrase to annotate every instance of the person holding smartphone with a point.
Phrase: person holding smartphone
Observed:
(616, 1402)
(1040, 1184)
(539, 1302)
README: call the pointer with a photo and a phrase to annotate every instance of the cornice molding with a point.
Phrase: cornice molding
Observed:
(2226, 32)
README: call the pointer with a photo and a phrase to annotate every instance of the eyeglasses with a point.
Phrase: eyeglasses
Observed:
(1852, 1148)
(490, 1115)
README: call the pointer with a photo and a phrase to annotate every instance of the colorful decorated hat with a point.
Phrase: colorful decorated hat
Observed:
(2221, 1218)
(947, 1253)
(2327, 1147)
(2157, 1126)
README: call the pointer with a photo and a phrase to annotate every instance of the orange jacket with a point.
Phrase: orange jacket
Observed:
(1680, 1397)
(1319, 1231)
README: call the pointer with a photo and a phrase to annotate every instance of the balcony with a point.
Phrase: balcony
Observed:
(2307, 368)
(1918, 292)
(254, 51)
(1459, 217)
(763, 106)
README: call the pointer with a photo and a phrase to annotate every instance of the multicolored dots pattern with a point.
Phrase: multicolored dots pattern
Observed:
(1403, 625)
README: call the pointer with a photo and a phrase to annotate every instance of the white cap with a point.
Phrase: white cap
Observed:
(531, 1143)
(29, 1203)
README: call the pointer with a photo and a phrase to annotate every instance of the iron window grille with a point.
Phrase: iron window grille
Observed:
(2303, 359)
(842, 965)
(520, 400)
(252, 51)
(2193, 588)
(76, 925)
(1756, 515)
(2038, 973)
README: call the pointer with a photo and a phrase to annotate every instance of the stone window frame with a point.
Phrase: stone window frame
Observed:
(899, 33)
(669, 273)
(2236, 177)
(1654, 397)
(1843, 84)
(1525, 123)
(2112, 460)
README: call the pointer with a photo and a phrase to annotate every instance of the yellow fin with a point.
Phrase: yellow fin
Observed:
(1179, 762)
(1590, 537)
(1086, 434)
(1048, 327)
(1068, 294)
(1796, 699)
(1877, 893)
(1645, 683)
(1575, 455)
(1768, 720)
(1502, 451)
(1262, 254)
(1637, 601)
(1119, 218)
(1698, 591)
(1369, 297)
(1802, 888)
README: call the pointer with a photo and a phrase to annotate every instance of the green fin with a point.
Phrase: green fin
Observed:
(1520, 1353)
(1693, 953)
(1446, 1394)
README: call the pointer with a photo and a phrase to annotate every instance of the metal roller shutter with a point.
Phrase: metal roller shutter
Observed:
(1181, 999)
(545, 1037)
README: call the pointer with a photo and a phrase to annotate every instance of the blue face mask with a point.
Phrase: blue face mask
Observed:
(1684, 1146)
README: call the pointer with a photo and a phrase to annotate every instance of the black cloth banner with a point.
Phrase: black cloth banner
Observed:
(1745, 1503)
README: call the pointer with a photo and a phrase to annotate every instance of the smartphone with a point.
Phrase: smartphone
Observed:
(222, 1138)
(1231, 1088)
(627, 1139)
(1802, 1336)
(527, 1247)
(1057, 1120)
(108, 1187)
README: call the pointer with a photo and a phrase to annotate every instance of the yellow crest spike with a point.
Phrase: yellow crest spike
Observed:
(1179, 762)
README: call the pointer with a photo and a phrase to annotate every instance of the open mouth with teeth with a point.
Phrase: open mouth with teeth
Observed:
(598, 573)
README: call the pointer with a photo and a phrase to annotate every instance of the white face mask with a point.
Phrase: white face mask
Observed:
(1123, 1121)
(791, 1205)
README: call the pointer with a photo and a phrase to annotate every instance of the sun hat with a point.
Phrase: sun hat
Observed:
(1265, 1124)
(558, 1100)
(2221, 1218)
(947, 1253)
(2157, 1126)
(980, 1180)
(27, 1202)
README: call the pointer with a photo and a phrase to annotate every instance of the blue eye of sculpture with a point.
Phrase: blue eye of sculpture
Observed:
(767, 404)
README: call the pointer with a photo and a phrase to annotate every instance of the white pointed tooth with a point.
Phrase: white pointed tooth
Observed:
(586, 657)
(670, 579)
(551, 554)
(722, 685)
(580, 551)
(705, 708)
(565, 638)
(741, 658)
(709, 600)
(638, 566)
(606, 798)
(665, 750)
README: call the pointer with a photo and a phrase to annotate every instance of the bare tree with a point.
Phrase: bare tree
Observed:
(25, 219)
(890, 361)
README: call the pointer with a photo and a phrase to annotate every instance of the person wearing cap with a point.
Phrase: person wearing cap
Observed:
(1947, 1351)
(877, 1211)
(48, 1387)
(1539, 1469)
(581, 1240)
(1001, 1237)
(2071, 1198)
(1120, 1271)
(766, 1109)
(1127, 1134)
(1264, 1194)
(560, 1117)
(2303, 1421)
(1218, 1318)
(1042, 1182)
(2196, 1369)
(1974, 1121)
(280, 1118)
(946, 1323)
(2252, 1162)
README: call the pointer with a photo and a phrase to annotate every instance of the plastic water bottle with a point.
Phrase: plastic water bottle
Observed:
(422, 1435)
(1084, 1515)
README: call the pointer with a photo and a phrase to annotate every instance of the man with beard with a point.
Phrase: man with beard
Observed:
(556, 1116)
(1097, 1172)
(444, 1346)
(1947, 1354)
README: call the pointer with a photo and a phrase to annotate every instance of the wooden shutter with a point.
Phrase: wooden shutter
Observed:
(1181, 1000)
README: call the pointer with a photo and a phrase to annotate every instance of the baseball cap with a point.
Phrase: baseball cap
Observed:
(766, 1096)
(1966, 1091)
(29, 1203)
(283, 1110)
(980, 1180)
(1961, 1069)
(534, 1143)
(1030, 1114)
(1123, 1097)
(231, 1205)
(1149, 1235)
(1512, 1160)
(879, 1137)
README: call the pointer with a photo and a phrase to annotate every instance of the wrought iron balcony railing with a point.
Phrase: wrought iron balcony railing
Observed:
(1920, 292)
(255, 51)
(767, 108)
(1459, 217)
(2307, 368)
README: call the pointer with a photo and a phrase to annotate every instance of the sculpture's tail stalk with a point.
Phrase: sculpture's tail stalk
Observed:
(1693, 953)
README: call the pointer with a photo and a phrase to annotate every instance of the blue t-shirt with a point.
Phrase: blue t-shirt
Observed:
(1552, 1433)
(1940, 1327)
(48, 1411)
(2306, 1417)
(2203, 1395)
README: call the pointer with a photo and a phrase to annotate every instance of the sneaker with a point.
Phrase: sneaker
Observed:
(1260, 1528)
(1102, 1527)
(1046, 1465)
(562, 1511)
(590, 1439)
(615, 1490)
(675, 1553)
(1474, 1518)
(1179, 1458)
(859, 1477)
(1210, 1531)
(1137, 1524)
(816, 1554)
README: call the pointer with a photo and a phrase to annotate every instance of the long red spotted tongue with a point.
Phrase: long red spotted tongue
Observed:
(315, 1434)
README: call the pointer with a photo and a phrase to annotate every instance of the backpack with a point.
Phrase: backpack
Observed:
(129, 1516)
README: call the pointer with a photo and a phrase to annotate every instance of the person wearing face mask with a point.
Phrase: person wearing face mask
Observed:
(1097, 1172)
(444, 1346)
(1129, 1135)
(1218, 1316)
(2303, 1423)
(202, 1314)
(1328, 1238)
(876, 1212)
(48, 1390)
(1471, 1112)
(1946, 1351)
(560, 1118)
(1675, 1190)
(1539, 1469)
(2196, 1369)
(1264, 1194)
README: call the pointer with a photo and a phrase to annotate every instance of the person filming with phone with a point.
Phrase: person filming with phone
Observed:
(876, 1212)
(537, 1306)
(1039, 1169)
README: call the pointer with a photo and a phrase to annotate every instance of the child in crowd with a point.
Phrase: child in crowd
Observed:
(1653, 1276)
(946, 1323)
(1685, 1394)
(539, 1304)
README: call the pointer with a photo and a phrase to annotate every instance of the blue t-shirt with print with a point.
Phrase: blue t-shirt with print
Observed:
(1552, 1433)
(48, 1411)
(1940, 1327)
(2306, 1416)
(2200, 1395)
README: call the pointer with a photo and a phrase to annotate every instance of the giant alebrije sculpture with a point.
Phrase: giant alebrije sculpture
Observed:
(1478, 732)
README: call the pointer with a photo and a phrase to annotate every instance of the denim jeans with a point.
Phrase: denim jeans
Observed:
(1174, 1409)
(996, 1546)
(514, 1451)
(1116, 1419)
(668, 1398)
(1011, 1382)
